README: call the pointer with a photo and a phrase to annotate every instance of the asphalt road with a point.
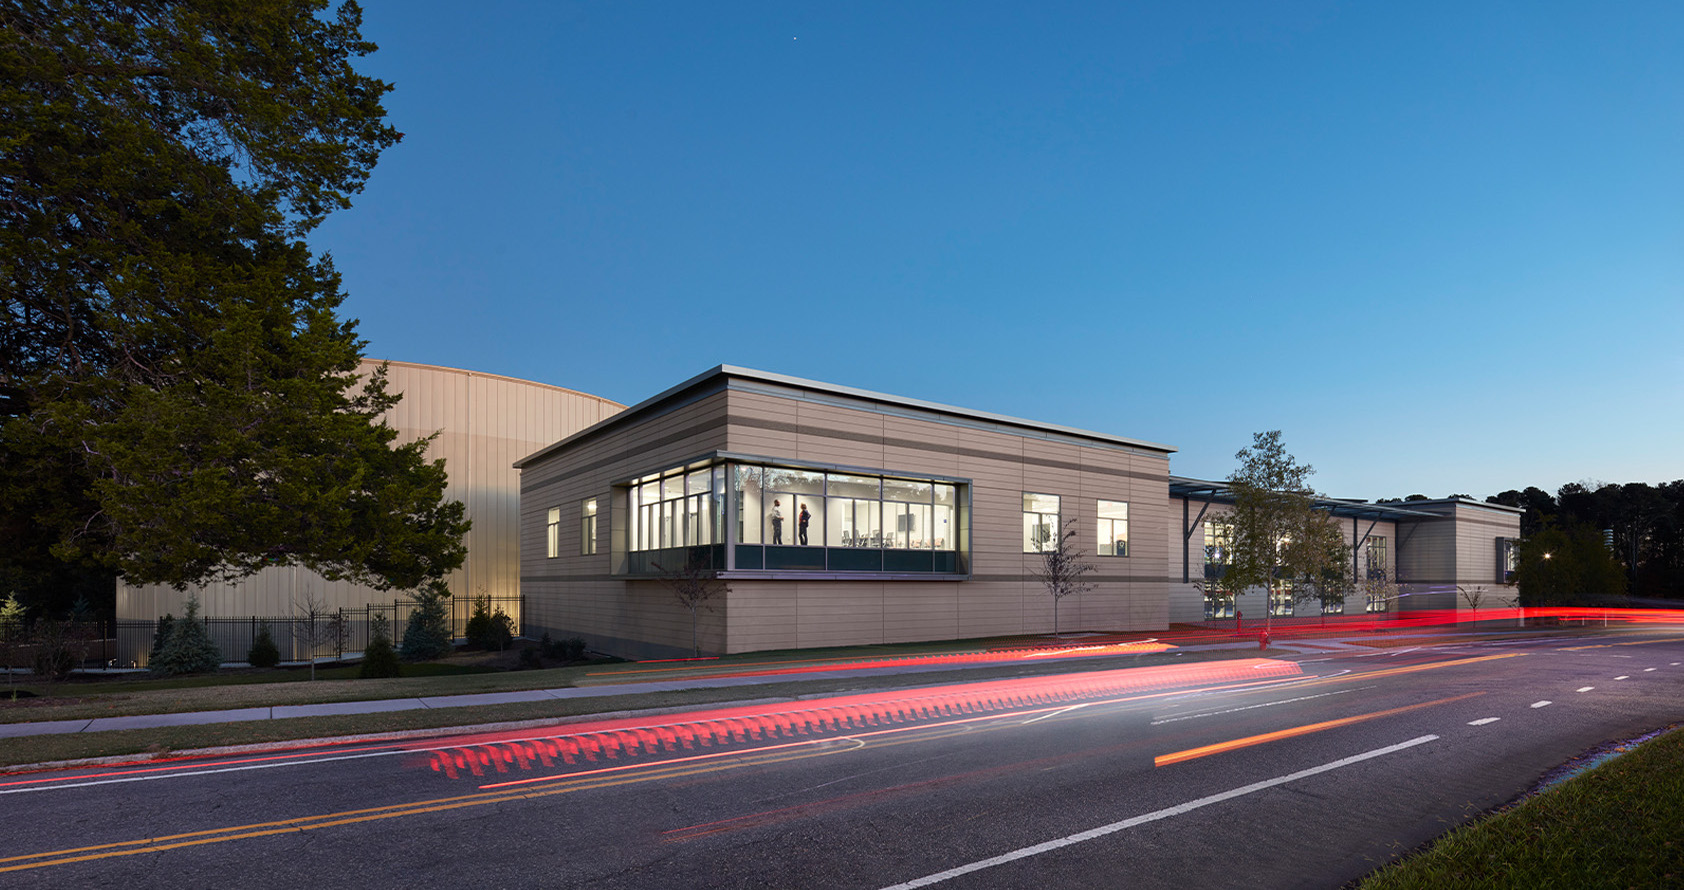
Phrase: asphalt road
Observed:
(1309, 771)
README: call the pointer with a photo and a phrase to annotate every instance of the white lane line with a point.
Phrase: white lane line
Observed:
(1178, 810)
(1267, 704)
(1541, 704)
(1623, 677)
(1056, 713)
(1483, 720)
(1585, 688)
(1647, 670)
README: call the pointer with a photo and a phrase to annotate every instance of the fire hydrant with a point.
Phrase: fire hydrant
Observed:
(1263, 640)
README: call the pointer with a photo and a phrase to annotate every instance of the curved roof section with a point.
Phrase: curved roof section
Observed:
(523, 382)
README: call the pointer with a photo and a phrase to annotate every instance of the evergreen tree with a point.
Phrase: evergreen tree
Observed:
(160, 635)
(428, 634)
(264, 653)
(379, 659)
(188, 649)
(11, 631)
(178, 400)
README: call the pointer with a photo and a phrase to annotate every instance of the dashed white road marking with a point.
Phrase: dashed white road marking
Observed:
(1483, 720)
(1541, 704)
(1177, 810)
(1585, 688)
(1623, 677)
(1647, 670)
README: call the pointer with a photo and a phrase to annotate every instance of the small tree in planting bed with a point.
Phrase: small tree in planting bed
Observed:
(11, 631)
(428, 634)
(1062, 568)
(694, 585)
(188, 649)
(264, 653)
(379, 658)
(488, 629)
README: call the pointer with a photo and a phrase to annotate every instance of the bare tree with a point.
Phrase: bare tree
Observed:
(316, 625)
(694, 584)
(1479, 595)
(1062, 568)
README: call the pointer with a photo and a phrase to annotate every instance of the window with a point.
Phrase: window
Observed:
(1506, 561)
(1113, 528)
(1281, 600)
(587, 526)
(1040, 522)
(1377, 562)
(1219, 546)
(676, 508)
(552, 534)
(770, 517)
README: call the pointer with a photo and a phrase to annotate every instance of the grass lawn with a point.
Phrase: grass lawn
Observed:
(1620, 825)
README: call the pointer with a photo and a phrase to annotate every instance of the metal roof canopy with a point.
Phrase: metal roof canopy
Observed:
(1220, 492)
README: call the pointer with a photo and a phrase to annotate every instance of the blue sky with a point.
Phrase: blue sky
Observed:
(1439, 245)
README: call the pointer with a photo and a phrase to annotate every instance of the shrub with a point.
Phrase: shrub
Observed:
(571, 649)
(428, 634)
(488, 629)
(529, 659)
(53, 658)
(379, 658)
(264, 653)
(188, 649)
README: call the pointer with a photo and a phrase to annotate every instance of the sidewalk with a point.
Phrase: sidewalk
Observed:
(281, 712)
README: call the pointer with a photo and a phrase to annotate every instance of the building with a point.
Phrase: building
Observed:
(484, 423)
(839, 516)
(1446, 554)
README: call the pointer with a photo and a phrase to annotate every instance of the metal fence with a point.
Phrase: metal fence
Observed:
(332, 634)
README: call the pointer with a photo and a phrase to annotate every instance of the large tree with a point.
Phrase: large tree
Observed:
(1281, 541)
(178, 399)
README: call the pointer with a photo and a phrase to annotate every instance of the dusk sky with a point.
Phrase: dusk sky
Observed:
(1439, 245)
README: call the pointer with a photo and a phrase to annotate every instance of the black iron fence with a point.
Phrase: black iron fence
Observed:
(332, 633)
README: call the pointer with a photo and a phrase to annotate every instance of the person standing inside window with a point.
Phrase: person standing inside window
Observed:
(801, 524)
(777, 522)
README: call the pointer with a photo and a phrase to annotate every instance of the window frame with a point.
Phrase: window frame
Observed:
(1106, 533)
(588, 512)
(1056, 526)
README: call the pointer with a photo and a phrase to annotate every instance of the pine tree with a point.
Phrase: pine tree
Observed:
(264, 653)
(428, 634)
(178, 400)
(379, 659)
(188, 649)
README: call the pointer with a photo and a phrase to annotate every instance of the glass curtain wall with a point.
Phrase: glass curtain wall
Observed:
(791, 518)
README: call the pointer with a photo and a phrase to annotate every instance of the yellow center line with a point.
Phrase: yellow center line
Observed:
(351, 817)
(1277, 735)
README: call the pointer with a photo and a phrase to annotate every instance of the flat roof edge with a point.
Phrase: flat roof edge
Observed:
(729, 372)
